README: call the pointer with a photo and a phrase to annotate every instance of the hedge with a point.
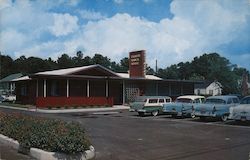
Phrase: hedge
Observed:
(46, 134)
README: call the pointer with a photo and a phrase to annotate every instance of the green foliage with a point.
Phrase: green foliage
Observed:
(49, 135)
(33, 64)
(208, 67)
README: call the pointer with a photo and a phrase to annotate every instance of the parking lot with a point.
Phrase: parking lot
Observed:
(123, 135)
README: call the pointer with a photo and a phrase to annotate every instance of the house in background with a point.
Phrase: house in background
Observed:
(6, 84)
(245, 85)
(208, 88)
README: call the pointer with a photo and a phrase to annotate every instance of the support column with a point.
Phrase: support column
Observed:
(67, 88)
(11, 87)
(44, 88)
(88, 88)
(107, 88)
(123, 92)
(37, 88)
(169, 89)
(156, 89)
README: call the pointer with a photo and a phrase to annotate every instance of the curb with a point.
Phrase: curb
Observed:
(44, 155)
(68, 110)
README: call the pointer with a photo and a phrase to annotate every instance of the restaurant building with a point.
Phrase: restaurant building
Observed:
(96, 85)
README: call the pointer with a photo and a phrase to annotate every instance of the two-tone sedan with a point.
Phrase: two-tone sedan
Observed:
(216, 106)
(242, 111)
(183, 106)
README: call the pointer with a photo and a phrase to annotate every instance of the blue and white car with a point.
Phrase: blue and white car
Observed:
(242, 111)
(183, 106)
(216, 106)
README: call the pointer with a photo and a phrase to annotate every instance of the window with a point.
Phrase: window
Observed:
(235, 100)
(167, 100)
(229, 101)
(210, 92)
(198, 91)
(54, 88)
(245, 100)
(23, 90)
(197, 100)
(152, 100)
(161, 100)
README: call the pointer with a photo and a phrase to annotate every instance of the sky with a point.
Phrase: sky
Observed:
(171, 31)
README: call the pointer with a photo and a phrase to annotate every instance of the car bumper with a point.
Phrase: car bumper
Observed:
(205, 114)
(240, 117)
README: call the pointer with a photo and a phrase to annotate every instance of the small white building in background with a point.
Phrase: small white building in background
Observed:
(208, 88)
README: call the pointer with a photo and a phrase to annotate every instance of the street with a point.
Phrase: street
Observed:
(123, 135)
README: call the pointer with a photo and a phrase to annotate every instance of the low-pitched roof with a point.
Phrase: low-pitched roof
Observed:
(24, 78)
(150, 77)
(69, 71)
(11, 77)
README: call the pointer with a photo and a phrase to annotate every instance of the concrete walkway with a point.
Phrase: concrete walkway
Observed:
(115, 107)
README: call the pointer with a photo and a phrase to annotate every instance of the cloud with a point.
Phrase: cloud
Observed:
(91, 15)
(118, 1)
(64, 24)
(196, 27)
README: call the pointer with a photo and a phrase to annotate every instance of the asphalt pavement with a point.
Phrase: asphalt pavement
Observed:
(123, 135)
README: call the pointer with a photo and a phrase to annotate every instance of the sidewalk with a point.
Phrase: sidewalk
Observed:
(8, 153)
(115, 107)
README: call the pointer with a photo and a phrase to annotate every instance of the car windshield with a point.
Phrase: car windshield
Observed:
(215, 101)
(245, 100)
(183, 100)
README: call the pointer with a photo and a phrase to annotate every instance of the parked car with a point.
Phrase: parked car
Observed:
(242, 111)
(1, 99)
(149, 104)
(216, 106)
(183, 106)
(8, 98)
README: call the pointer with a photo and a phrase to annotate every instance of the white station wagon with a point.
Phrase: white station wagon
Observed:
(242, 111)
(149, 104)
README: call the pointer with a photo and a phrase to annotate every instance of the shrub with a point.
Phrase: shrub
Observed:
(47, 134)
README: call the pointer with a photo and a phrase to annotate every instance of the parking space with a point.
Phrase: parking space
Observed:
(123, 135)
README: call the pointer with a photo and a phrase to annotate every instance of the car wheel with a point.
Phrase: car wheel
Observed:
(155, 113)
(224, 118)
(192, 115)
(141, 114)
(202, 118)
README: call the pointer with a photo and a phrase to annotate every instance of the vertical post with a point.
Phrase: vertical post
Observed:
(169, 89)
(107, 88)
(37, 88)
(44, 88)
(182, 88)
(156, 89)
(88, 88)
(123, 92)
(11, 87)
(67, 88)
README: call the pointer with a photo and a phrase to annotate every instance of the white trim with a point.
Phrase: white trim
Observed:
(88, 88)
(67, 87)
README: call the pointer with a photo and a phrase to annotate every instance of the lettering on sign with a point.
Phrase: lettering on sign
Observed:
(135, 59)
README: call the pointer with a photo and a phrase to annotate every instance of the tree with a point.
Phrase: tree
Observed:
(6, 66)
(65, 61)
(99, 59)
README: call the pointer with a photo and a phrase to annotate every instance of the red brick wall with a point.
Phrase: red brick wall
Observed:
(42, 102)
